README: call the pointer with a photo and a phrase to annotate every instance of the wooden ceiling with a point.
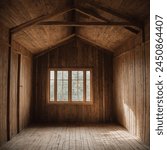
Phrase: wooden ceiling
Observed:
(41, 24)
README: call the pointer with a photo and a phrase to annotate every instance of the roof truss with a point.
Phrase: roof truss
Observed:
(102, 20)
(62, 23)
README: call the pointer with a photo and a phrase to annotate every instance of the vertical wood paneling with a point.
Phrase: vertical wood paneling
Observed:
(147, 84)
(77, 53)
(131, 89)
(20, 88)
(13, 94)
(139, 91)
(147, 103)
(3, 82)
(25, 91)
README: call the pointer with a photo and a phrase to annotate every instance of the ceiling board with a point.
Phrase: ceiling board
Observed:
(39, 38)
(109, 37)
(16, 12)
(136, 8)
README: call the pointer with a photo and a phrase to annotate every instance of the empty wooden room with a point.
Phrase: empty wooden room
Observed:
(74, 75)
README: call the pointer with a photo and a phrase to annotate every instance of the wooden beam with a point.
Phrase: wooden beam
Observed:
(131, 29)
(39, 19)
(60, 23)
(116, 13)
(108, 50)
(59, 43)
(91, 14)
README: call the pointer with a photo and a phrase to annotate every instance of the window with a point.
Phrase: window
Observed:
(62, 85)
(70, 85)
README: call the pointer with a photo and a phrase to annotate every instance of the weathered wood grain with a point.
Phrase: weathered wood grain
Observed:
(13, 95)
(25, 96)
(75, 137)
(131, 88)
(20, 81)
(3, 83)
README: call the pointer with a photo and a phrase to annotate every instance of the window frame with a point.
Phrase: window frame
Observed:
(69, 101)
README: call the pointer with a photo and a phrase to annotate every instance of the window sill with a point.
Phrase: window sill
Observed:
(70, 103)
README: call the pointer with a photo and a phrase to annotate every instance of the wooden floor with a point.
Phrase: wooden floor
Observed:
(70, 137)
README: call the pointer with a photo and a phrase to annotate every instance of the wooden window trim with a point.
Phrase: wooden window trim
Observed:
(70, 102)
(55, 87)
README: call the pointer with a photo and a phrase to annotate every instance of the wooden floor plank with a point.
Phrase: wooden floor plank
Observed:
(75, 137)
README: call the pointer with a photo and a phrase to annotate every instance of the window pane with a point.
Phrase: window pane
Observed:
(52, 74)
(62, 85)
(77, 85)
(74, 74)
(65, 90)
(65, 75)
(87, 74)
(59, 90)
(74, 91)
(52, 86)
(87, 85)
(59, 74)
(80, 90)
(80, 75)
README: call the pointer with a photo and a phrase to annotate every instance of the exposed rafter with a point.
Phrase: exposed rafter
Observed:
(62, 23)
(39, 19)
(131, 29)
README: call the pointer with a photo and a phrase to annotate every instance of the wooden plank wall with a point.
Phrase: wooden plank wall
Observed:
(3, 81)
(9, 114)
(25, 91)
(131, 79)
(76, 53)
(13, 107)
(20, 108)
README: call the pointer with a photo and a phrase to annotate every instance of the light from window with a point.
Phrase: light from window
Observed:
(70, 85)
(62, 85)
(52, 77)
(77, 85)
